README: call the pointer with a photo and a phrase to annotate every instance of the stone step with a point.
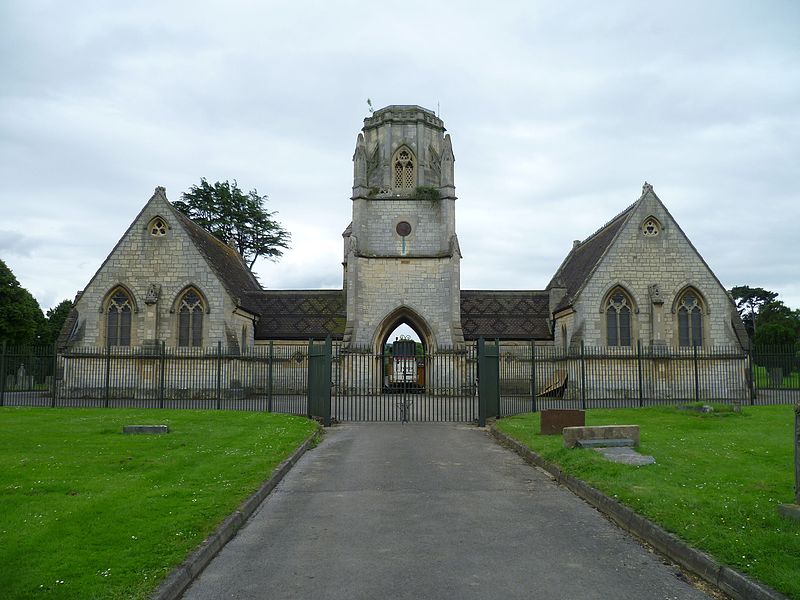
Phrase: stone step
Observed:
(615, 443)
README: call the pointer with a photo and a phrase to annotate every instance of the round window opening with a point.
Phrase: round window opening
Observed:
(403, 228)
(650, 228)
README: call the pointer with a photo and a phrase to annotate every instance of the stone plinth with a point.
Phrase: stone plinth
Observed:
(600, 432)
(145, 429)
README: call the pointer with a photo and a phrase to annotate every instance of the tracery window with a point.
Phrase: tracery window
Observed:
(404, 169)
(618, 318)
(157, 227)
(118, 318)
(690, 319)
(651, 227)
(190, 320)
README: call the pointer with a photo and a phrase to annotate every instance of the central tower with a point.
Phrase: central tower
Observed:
(401, 253)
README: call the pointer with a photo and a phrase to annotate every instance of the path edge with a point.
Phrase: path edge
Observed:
(181, 577)
(730, 581)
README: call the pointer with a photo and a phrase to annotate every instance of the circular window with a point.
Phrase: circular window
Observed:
(403, 228)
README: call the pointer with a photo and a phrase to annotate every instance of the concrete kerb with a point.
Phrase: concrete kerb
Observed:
(184, 574)
(730, 581)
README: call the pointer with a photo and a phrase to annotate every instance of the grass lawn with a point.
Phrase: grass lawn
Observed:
(87, 512)
(716, 483)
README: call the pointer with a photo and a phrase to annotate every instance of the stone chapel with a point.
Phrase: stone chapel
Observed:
(637, 279)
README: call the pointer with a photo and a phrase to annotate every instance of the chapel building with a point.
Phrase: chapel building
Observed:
(637, 279)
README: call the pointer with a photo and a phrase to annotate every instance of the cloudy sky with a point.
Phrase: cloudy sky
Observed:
(558, 111)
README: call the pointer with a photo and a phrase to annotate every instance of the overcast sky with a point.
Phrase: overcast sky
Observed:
(558, 112)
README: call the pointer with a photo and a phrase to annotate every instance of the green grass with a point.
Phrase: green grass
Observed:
(763, 380)
(87, 512)
(716, 483)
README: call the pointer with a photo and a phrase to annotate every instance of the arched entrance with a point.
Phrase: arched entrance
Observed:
(403, 319)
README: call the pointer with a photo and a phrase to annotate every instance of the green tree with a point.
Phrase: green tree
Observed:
(21, 320)
(231, 215)
(55, 319)
(749, 300)
(777, 324)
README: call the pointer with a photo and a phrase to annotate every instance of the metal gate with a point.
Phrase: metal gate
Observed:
(415, 386)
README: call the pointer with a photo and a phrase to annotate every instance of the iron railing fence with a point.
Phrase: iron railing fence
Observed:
(440, 387)
(272, 377)
(534, 376)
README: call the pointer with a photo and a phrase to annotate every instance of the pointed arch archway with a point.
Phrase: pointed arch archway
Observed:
(403, 315)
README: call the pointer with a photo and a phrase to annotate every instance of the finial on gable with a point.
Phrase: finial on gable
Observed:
(160, 189)
(646, 188)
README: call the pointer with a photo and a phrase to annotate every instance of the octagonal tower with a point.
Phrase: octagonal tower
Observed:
(401, 252)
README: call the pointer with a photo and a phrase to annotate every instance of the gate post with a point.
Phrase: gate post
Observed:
(639, 366)
(319, 380)
(162, 374)
(488, 382)
(533, 375)
(269, 377)
(219, 374)
(583, 378)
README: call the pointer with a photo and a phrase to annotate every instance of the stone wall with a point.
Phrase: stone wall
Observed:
(171, 262)
(635, 262)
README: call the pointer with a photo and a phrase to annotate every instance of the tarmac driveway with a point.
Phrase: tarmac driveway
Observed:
(429, 511)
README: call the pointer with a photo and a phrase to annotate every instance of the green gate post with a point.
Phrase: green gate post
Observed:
(319, 380)
(639, 364)
(162, 375)
(269, 379)
(219, 374)
(108, 372)
(696, 376)
(583, 379)
(488, 382)
(533, 375)
(55, 371)
(3, 373)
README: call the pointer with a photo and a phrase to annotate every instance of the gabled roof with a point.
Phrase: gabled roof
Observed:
(298, 314)
(505, 315)
(225, 261)
(584, 257)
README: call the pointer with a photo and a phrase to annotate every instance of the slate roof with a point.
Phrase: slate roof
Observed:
(506, 315)
(298, 314)
(581, 262)
(224, 260)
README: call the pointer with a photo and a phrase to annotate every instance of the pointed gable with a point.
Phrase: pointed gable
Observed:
(225, 261)
(582, 261)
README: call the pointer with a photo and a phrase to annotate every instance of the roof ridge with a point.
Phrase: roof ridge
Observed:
(609, 222)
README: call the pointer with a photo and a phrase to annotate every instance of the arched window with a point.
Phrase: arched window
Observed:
(690, 319)
(190, 320)
(118, 318)
(404, 169)
(618, 318)
(158, 227)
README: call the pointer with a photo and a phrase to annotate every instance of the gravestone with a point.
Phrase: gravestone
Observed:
(554, 420)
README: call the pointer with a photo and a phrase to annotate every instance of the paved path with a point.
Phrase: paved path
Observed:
(429, 511)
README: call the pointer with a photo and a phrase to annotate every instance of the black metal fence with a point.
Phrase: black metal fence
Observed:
(533, 376)
(440, 386)
(366, 386)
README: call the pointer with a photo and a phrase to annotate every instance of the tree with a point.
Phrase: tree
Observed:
(229, 214)
(748, 301)
(55, 319)
(21, 320)
(777, 325)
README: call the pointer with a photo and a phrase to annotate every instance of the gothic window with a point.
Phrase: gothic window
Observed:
(404, 169)
(618, 318)
(157, 227)
(690, 319)
(190, 320)
(651, 227)
(118, 318)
